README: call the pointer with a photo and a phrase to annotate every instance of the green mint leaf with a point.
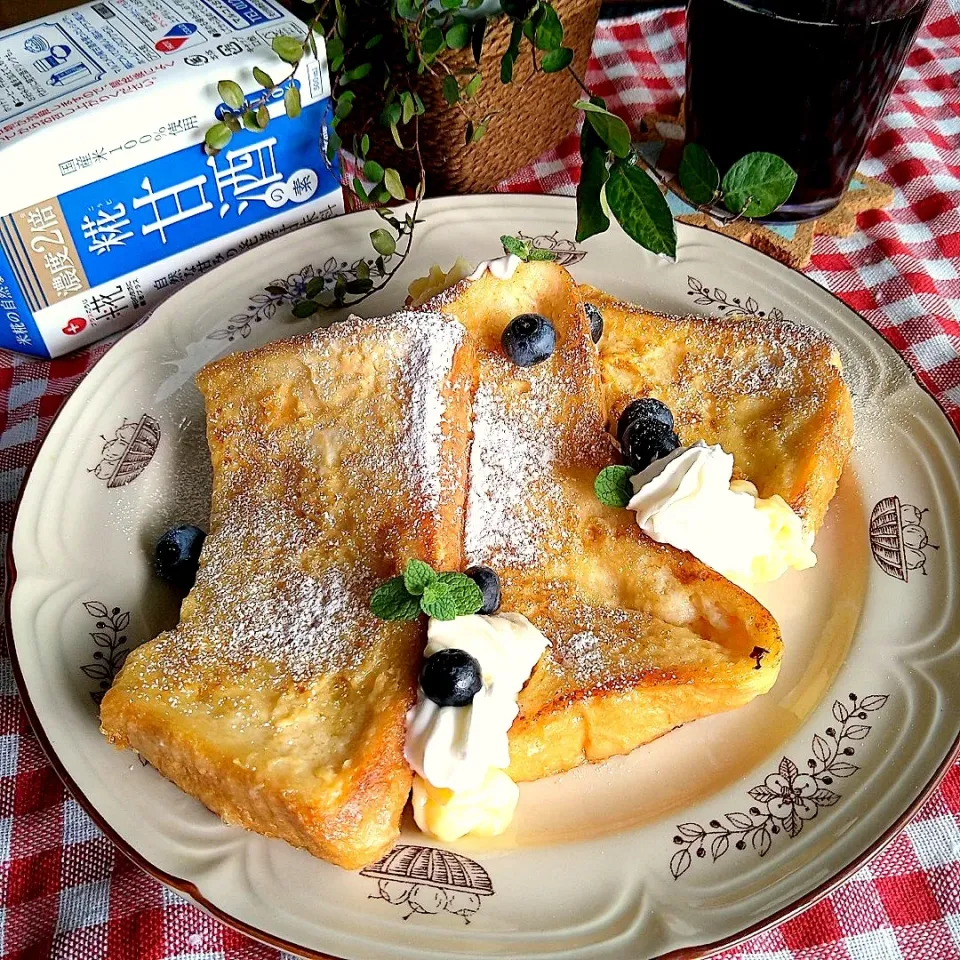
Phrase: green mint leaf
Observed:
(383, 242)
(230, 94)
(391, 601)
(608, 126)
(516, 246)
(288, 49)
(612, 486)
(549, 33)
(458, 36)
(557, 60)
(391, 180)
(438, 601)
(591, 218)
(757, 184)
(641, 209)
(417, 576)
(699, 175)
(263, 78)
(466, 594)
(476, 39)
(291, 101)
(538, 253)
(217, 136)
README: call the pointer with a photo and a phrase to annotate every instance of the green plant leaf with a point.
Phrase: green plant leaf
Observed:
(408, 9)
(506, 67)
(360, 190)
(217, 136)
(230, 94)
(249, 119)
(549, 33)
(481, 130)
(363, 270)
(757, 184)
(407, 106)
(591, 218)
(641, 209)
(391, 114)
(515, 246)
(356, 73)
(557, 60)
(417, 575)
(539, 254)
(232, 122)
(288, 49)
(291, 101)
(263, 78)
(364, 144)
(473, 85)
(391, 601)
(458, 36)
(431, 43)
(315, 286)
(438, 601)
(451, 89)
(383, 242)
(476, 38)
(466, 594)
(391, 180)
(699, 175)
(305, 308)
(373, 41)
(610, 128)
(613, 487)
(263, 116)
(334, 52)
(359, 285)
(373, 171)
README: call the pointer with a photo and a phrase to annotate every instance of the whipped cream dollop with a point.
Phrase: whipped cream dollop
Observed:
(503, 268)
(688, 499)
(459, 753)
(454, 747)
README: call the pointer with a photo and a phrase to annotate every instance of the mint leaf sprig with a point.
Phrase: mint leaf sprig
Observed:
(613, 487)
(524, 250)
(443, 596)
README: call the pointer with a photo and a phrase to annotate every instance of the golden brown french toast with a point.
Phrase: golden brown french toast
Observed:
(279, 700)
(644, 637)
(768, 391)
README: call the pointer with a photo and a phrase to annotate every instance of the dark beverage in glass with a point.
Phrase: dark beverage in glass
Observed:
(805, 79)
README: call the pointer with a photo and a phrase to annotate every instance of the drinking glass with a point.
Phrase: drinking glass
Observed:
(804, 79)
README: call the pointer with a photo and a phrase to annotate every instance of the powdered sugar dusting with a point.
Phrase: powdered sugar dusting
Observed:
(582, 652)
(511, 471)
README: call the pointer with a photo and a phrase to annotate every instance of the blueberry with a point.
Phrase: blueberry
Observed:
(646, 408)
(596, 321)
(645, 441)
(529, 339)
(177, 554)
(451, 678)
(489, 584)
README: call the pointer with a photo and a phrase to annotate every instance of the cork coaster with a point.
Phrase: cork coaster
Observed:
(661, 144)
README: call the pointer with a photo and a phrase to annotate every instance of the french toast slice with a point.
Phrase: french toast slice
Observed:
(643, 637)
(768, 391)
(279, 701)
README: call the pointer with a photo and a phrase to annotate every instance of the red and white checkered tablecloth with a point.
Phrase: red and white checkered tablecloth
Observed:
(65, 892)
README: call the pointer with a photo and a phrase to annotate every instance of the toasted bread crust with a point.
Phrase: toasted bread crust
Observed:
(768, 391)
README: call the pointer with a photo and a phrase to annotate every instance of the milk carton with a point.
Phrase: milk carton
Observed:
(107, 201)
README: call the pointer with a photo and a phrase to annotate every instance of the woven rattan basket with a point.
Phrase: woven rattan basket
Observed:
(533, 113)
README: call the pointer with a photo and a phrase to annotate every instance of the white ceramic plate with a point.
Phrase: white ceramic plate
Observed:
(784, 797)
